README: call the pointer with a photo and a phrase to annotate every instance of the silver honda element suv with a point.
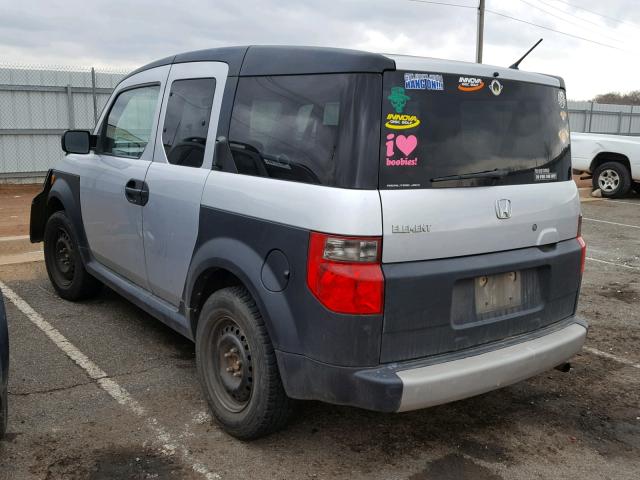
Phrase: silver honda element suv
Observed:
(380, 231)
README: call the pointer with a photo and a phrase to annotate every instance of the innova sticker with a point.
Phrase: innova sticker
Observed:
(423, 81)
(470, 84)
(406, 145)
(398, 121)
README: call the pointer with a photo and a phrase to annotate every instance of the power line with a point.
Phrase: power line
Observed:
(459, 5)
(521, 21)
(564, 19)
(553, 30)
(571, 14)
(595, 13)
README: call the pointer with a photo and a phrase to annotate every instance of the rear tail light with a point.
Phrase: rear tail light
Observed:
(344, 273)
(583, 245)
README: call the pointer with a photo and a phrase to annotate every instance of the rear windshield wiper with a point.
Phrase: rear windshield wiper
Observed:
(495, 173)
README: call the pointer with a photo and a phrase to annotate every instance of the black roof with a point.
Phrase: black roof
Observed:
(282, 60)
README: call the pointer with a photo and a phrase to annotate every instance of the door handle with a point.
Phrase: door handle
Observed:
(137, 192)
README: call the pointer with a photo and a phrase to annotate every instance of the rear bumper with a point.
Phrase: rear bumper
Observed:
(404, 386)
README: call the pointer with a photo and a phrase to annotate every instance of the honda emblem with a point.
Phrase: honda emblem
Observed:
(503, 208)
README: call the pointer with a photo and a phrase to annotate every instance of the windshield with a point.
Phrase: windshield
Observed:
(443, 125)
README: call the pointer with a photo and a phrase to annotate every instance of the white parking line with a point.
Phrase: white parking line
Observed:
(168, 444)
(613, 263)
(26, 257)
(611, 356)
(637, 204)
(14, 238)
(611, 223)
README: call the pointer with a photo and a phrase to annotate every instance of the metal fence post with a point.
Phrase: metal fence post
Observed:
(630, 120)
(590, 117)
(93, 94)
(619, 122)
(71, 113)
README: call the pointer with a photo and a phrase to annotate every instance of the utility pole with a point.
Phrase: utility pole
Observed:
(480, 37)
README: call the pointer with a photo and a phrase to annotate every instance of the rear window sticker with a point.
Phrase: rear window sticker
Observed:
(544, 175)
(496, 87)
(562, 99)
(423, 81)
(406, 145)
(331, 114)
(563, 115)
(397, 121)
(398, 99)
(564, 135)
(470, 84)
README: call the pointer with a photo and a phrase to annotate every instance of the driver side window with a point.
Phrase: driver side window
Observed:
(128, 127)
(186, 123)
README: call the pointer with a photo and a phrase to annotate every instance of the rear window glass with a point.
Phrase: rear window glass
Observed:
(437, 127)
(319, 129)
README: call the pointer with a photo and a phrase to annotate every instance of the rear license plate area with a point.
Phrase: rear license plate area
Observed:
(493, 298)
(498, 292)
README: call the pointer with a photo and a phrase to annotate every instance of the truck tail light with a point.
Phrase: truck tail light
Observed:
(583, 245)
(344, 273)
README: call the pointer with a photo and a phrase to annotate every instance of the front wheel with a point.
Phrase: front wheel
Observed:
(237, 366)
(613, 179)
(62, 258)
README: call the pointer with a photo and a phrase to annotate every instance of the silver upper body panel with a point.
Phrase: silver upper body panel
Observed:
(463, 221)
(425, 64)
(312, 207)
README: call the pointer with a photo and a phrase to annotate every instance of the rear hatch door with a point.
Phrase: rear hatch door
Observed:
(473, 169)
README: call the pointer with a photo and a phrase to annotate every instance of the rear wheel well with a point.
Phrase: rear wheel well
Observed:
(208, 282)
(604, 157)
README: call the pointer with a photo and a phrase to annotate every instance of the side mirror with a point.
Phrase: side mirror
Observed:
(78, 141)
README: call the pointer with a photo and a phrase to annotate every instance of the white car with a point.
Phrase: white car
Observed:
(613, 161)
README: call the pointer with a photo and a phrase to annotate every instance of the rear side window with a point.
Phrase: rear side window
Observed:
(320, 129)
(128, 127)
(184, 134)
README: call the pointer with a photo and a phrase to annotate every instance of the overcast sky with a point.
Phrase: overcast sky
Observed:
(126, 34)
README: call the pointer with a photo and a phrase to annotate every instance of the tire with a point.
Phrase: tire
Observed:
(237, 366)
(613, 179)
(62, 258)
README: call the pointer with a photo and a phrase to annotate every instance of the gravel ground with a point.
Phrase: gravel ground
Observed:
(65, 424)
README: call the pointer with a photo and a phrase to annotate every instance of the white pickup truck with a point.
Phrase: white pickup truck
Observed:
(612, 161)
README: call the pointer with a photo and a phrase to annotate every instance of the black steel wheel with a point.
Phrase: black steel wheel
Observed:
(232, 365)
(63, 261)
(237, 366)
(63, 257)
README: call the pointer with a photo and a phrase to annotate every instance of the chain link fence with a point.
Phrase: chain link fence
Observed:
(37, 104)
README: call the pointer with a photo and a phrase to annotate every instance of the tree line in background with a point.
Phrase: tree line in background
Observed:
(631, 98)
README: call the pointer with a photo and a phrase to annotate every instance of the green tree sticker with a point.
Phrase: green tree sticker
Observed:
(398, 98)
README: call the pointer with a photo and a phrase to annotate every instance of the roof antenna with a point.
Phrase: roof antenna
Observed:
(515, 65)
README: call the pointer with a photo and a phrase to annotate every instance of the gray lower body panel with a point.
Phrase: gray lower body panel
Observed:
(446, 382)
(437, 379)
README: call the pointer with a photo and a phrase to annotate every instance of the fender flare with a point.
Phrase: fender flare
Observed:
(246, 264)
(65, 188)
